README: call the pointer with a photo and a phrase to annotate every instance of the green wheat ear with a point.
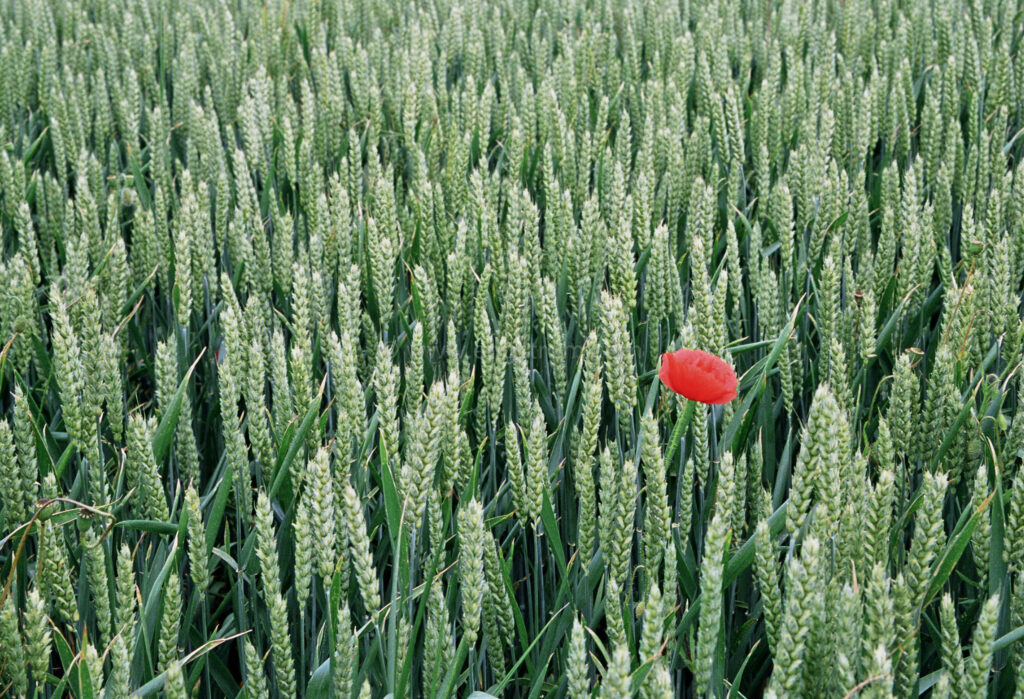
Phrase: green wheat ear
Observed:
(37, 636)
(174, 682)
(978, 666)
(170, 623)
(94, 556)
(438, 650)
(471, 574)
(303, 535)
(710, 623)
(657, 513)
(13, 651)
(14, 509)
(360, 550)
(255, 682)
(94, 663)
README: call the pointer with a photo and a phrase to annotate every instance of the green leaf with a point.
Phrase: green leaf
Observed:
(736, 564)
(1004, 641)
(511, 671)
(951, 433)
(138, 180)
(955, 548)
(220, 503)
(547, 517)
(164, 433)
(137, 294)
(319, 684)
(67, 660)
(155, 593)
(65, 458)
(392, 502)
(284, 462)
(147, 525)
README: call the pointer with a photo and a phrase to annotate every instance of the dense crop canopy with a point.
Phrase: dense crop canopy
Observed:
(339, 348)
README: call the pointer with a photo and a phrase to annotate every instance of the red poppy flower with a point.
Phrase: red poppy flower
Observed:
(698, 376)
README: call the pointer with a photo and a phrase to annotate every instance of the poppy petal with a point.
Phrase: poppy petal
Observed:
(699, 376)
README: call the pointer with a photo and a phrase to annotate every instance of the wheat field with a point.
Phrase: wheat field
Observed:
(332, 336)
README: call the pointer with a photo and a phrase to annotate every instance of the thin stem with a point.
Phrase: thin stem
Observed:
(206, 637)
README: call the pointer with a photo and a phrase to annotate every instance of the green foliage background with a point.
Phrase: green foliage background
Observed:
(329, 337)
